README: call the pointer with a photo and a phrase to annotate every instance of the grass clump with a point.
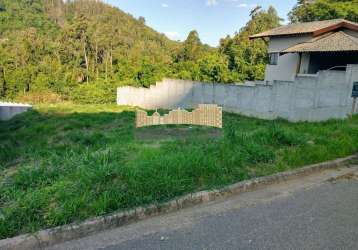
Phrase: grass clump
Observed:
(65, 163)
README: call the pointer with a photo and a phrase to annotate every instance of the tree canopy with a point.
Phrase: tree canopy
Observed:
(308, 10)
(247, 59)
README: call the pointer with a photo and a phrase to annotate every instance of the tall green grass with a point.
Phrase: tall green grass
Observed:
(65, 163)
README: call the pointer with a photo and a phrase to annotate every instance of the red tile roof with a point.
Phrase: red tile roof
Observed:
(314, 28)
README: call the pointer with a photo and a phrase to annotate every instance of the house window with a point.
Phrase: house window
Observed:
(273, 57)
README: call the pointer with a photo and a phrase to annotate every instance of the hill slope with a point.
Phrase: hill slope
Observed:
(83, 49)
(46, 44)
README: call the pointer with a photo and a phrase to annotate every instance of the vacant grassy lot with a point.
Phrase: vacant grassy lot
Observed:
(66, 163)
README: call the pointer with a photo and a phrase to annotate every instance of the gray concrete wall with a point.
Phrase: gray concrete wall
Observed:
(309, 98)
(9, 110)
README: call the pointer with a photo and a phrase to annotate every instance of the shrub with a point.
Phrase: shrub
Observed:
(39, 97)
(94, 93)
(285, 137)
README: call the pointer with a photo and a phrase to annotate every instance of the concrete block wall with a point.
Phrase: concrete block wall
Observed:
(309, 98)
(9, 110)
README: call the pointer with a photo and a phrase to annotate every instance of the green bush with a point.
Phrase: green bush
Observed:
(93, 93)
(40, 97)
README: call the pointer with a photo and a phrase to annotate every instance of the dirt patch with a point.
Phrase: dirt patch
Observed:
(176, 133)
(347, 177)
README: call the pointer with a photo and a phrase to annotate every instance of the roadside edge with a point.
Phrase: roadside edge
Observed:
(53, 236)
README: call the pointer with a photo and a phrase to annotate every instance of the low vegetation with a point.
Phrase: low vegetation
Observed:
(65, 163)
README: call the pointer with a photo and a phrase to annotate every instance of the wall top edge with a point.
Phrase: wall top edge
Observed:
(168, 80)
(12, 104)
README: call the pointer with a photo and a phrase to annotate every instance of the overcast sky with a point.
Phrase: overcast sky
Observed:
(213, 19)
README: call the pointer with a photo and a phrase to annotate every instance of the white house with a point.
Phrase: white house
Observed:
(306, 48)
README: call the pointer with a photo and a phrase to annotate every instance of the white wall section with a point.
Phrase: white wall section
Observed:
(308, 98)
(8, 110)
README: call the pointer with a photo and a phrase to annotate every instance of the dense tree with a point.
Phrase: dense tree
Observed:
(2, 82)
(306, 11)
(247, 59)
(83, 49)
(197, 61)
(20, 14)
(213, 67)
(192, 48)
(61, 46)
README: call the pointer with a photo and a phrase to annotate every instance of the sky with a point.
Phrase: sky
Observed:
(213, 19)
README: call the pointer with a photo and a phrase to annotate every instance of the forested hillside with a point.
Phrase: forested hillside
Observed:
(49, 45)
(83, 49)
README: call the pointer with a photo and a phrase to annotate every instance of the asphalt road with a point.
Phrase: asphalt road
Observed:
(315, 212)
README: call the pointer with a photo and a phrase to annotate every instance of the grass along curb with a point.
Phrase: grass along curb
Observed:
(66, 163)
(60, 234)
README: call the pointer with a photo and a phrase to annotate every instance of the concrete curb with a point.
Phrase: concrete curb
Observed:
(60, 234)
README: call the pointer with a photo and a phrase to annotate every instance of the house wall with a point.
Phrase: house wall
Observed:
(277, 44)
(308, 98)
(286, 68)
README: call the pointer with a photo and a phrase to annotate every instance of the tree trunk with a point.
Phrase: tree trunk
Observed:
(3, 82)
(27, 89)
(86, 60)
(106, 63)
(111, 58)
(96, 60)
